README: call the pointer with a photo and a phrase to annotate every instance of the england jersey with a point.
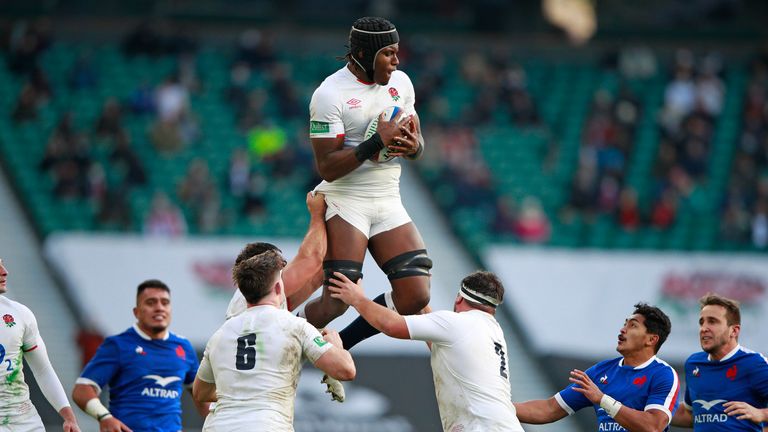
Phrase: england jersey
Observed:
(18, 334)
(146, 378)
(742, 376)
(343, 106)
(254, 360)
(469, 368)
(238, 305)
(652, 385)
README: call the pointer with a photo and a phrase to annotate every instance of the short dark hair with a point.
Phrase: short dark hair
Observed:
(253, 249)
(656, 322)
(151, 283)
(732, 310)
(486, 283)
(254, 276)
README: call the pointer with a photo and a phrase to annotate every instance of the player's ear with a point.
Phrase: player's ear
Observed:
(136, 312)
(653, 339)
(735, 330)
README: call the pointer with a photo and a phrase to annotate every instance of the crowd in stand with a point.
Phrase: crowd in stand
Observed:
(269, 110)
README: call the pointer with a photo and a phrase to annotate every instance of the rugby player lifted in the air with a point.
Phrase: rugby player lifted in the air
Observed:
(363, 196)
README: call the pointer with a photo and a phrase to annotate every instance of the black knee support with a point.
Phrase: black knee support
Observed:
(413, 263)
(351, 269)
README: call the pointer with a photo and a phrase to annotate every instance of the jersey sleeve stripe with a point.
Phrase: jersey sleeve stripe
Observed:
(89, 382)
(563, 405)
(30, 349)
(671, 400)
(662, 409)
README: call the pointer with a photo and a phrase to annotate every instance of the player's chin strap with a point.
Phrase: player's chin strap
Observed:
(477, 297)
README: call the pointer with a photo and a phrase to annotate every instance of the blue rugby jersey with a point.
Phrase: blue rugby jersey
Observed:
(652, 385)
(145, 376)
(742, 375)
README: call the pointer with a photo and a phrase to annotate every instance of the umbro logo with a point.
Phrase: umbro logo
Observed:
(354, 102)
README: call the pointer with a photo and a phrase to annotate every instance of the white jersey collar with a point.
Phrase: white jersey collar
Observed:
(642, 366)
(727, 356)
(146, 336)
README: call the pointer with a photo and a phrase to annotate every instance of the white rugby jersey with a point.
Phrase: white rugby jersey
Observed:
(18, 334)
(469, 367)
(255, 360)
(344, 105)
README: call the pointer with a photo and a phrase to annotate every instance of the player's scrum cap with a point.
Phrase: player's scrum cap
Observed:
(371, 35)
(477, 297)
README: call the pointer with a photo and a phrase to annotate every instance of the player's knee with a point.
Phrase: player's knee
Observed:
(418, 298)
(353, 270)
(413, 263)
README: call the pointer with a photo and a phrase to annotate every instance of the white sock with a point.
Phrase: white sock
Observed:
(388, 300)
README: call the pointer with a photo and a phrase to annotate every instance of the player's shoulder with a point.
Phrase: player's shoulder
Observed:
(15, 306)
(328, 89)
(659, 367)
(177, 338)
(753, 357)
(614, 362)
(697, 357)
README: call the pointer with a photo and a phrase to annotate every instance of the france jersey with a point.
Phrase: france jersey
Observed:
(652, 385)
(145, 378)
(742, 375)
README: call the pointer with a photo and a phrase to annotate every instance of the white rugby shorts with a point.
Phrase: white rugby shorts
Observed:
(370, 216)
(28, 421)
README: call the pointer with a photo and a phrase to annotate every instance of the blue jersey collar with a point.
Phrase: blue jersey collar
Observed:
(146, 336)
(642, 366)
(727, 356)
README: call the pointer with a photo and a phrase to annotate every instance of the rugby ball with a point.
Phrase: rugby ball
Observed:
(383, 154)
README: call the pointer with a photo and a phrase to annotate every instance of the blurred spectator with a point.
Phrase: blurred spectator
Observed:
(97, 182)
(256, 48)
(194, 188)
(504, 217)
(172, 100)
(252, 114)
(41, 85)
(628, 212)
(27, 42)
(239, 174)
(709, 93)
(126, 162)
(679, 99)
(109, 123)
(166, 137)
(187, 71)
(254, 204)
(83, 74)
(113, 211)
(164, 218)
(664, 211)
(26, 106)
(284, 92)
(236, 92)
(67, 159)
(266, 141)
(637, 62)
(532, 225)
(142, 99)
(760, 225)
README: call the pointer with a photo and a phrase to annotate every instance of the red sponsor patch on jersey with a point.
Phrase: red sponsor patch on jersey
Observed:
(731, 372)
(180, 353)
(639, 381)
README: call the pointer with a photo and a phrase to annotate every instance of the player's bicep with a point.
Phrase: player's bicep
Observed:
(659, 418)
(300, 274)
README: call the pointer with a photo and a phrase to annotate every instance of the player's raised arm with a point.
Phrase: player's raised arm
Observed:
(304, 273)
(539, 411)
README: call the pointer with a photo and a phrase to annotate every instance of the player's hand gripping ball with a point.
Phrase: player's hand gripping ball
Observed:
(383, 154)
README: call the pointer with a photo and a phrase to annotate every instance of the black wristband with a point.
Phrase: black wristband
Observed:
(103, 416)
(369, 147)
